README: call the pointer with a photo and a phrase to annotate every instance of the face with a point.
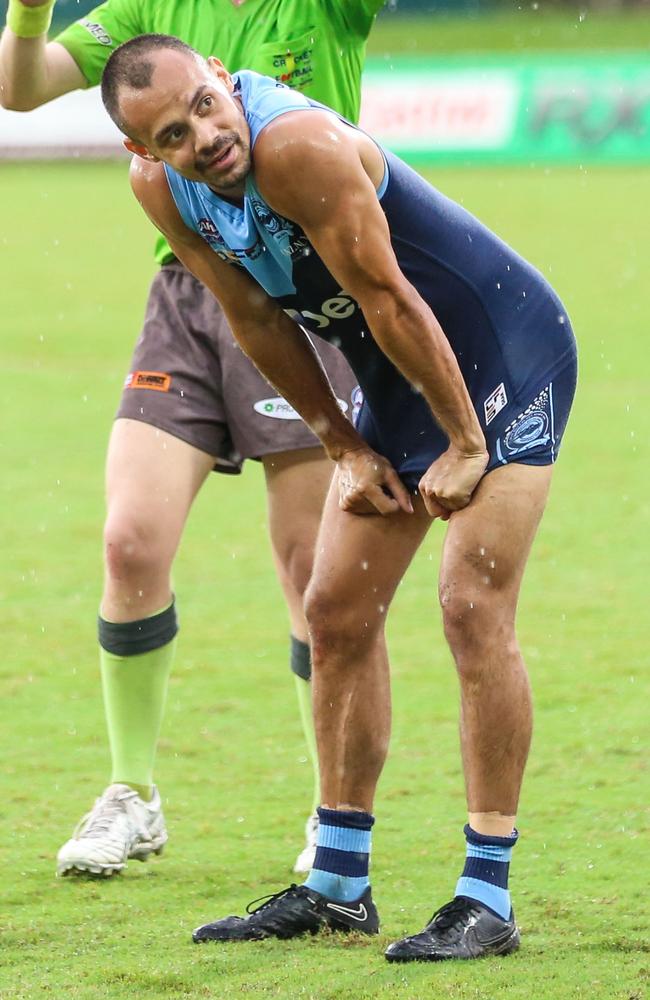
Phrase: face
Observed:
(189, 119)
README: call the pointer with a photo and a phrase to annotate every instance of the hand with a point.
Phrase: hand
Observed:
(362, 476)
(449, 482)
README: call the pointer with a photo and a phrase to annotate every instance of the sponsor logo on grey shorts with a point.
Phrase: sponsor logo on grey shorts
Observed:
(278, 409)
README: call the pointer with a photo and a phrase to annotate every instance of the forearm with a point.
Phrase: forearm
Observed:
(410, 335)
(285, 356)
(33, 71)
(23, 70)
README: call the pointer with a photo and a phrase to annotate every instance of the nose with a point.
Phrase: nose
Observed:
(205, 135)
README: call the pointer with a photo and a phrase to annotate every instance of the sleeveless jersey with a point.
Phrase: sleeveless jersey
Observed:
(505, 324)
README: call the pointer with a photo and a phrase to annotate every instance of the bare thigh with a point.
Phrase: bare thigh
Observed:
(487, 546)
(360, 560)
(152, 478)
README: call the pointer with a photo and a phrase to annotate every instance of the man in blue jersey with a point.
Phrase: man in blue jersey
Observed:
(298, 221)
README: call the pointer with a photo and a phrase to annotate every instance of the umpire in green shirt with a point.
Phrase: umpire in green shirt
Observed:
(192, 402)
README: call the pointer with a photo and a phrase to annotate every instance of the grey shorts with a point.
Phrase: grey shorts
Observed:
(188, 377)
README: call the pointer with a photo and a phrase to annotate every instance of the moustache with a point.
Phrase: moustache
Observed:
(207, 156)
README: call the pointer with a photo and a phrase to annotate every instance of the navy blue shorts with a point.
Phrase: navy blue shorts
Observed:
(524, 427)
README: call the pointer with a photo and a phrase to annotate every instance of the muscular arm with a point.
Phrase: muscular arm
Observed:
(276, 345)
(334, 172)
(34, 71)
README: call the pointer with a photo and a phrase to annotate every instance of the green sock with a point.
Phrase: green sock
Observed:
(134, 683)
(301, 667)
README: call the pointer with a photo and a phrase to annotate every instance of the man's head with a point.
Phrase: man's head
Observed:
(176, 106)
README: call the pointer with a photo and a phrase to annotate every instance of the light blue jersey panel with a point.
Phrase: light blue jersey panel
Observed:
(255, 237)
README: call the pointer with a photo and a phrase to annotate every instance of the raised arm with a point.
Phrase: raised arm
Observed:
(276, 345)
(33, 71)
(334, 172)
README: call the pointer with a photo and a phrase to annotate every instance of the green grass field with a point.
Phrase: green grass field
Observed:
(74, 255)
(510, 28)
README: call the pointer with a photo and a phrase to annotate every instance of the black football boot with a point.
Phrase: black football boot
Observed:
(293, 911)
(463, 928)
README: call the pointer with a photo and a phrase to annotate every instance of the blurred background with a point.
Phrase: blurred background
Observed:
(453, 81)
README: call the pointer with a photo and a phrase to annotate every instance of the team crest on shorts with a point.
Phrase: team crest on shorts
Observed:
(356, 397)
(533, 428)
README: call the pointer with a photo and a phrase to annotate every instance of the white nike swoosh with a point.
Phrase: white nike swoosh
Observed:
(359, 914)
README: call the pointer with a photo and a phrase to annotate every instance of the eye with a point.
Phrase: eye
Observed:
(176, 134)
(206, 102)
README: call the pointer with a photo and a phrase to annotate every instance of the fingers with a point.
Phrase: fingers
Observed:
(398, 490)
(433, 506)
(368, 484)
(370, 500)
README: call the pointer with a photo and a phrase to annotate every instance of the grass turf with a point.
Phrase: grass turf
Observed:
(75, 265)
(513, 29)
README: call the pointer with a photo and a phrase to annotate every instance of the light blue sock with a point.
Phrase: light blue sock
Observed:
(340, 869)
(485, 876)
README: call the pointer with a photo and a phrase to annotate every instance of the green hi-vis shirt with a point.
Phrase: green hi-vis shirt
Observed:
(317, 46)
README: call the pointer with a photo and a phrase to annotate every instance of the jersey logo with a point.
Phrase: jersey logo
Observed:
(293, 68)
(291, 240)
(158, 381)
(495, 403)
(210, 233)
(98, 31)
(340, 306)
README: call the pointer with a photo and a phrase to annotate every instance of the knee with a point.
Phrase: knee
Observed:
(475, 624)
(131, 548)
(338, 628)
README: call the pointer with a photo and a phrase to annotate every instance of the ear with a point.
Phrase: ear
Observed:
(139, 150)
(221, 73)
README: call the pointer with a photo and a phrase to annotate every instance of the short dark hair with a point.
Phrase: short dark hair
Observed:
(128, 66)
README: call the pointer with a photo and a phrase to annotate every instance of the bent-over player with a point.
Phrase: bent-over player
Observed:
(467, 362)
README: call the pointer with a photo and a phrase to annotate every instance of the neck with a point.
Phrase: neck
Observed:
(232, 197)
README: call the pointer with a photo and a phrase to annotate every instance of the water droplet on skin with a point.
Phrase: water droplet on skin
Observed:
(364, 565)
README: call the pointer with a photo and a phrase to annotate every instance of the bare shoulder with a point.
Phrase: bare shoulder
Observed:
(149, 185)
(309, 157)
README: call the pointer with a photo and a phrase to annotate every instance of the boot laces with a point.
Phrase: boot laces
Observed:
(269, 899)
(100, 819)
(452, 914)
